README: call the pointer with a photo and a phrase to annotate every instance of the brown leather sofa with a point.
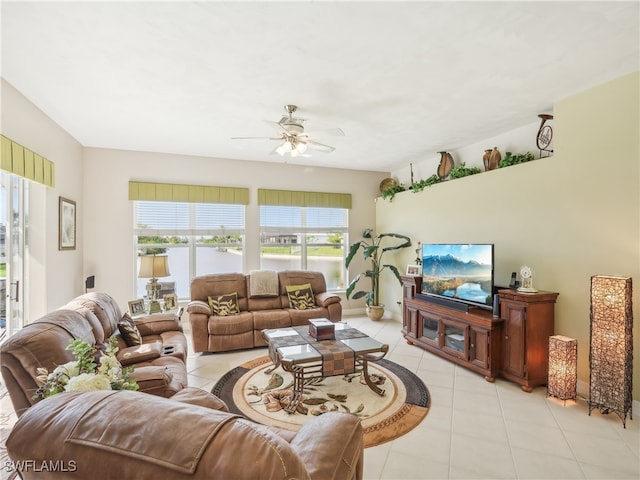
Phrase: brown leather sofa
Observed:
(215, 333)
(124, 434)
(159, 362)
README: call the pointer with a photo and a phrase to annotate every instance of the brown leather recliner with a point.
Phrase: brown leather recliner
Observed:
(106, 435)
(94, 318)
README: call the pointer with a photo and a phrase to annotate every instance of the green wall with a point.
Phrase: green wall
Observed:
(569, 216)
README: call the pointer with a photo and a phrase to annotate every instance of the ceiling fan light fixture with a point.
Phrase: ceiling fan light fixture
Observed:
(292, 137)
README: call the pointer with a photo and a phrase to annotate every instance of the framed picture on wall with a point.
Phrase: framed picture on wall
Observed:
(413, 269)
(67, 224)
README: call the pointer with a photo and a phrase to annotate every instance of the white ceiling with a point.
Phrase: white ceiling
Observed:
(404, 80)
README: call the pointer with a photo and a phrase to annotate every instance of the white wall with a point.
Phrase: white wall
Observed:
(570, 216)
(54, 276)
(108, 227)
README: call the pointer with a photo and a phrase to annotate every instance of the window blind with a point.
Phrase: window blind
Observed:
(184, 218)
(277, 219)
(16, 159)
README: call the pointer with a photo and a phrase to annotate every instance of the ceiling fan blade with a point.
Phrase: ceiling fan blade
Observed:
(320, 146)
(279, 127)
(329, 132)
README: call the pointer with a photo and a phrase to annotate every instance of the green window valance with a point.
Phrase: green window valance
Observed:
(290, 198)
(170, 192)
(16, 159)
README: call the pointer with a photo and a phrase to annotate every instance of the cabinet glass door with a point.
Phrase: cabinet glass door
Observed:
(454, 338)
(430, 329)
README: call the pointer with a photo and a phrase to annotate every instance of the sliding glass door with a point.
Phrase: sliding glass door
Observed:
(13, 252)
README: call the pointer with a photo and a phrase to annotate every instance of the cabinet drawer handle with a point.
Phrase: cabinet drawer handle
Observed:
(473, 345)
(506, 337)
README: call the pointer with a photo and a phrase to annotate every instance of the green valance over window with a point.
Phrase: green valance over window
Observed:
(14, 158)
(290, 198)
(169, 192)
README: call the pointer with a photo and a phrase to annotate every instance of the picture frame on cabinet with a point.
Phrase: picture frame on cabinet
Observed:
(136, 307)
(170, 301)
(413, 270)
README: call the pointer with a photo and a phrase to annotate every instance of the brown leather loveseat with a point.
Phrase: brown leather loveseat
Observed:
(257, 309)
(159, 361)
(124, 434)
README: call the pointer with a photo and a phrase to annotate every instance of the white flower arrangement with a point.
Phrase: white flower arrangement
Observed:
(84, 374)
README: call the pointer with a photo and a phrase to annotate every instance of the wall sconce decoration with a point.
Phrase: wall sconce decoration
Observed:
(545, 134)
(563, 368)
(611, 345)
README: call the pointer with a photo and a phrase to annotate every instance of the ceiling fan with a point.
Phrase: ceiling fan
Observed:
(292, 138)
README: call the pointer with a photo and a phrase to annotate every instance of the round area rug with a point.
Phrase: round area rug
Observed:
(259, 396)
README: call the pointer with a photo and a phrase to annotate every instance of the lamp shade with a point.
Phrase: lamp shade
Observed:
(611, 349)
(154, 266)
(563, 376)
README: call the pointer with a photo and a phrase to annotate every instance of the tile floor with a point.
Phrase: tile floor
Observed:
(474, 429)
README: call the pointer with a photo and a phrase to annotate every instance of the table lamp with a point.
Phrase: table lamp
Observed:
(152, 267)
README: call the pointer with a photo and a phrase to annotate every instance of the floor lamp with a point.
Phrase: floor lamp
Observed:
(153, 267)
(611, 345)
(562, 380)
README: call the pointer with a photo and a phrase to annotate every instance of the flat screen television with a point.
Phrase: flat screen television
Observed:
(458, 272)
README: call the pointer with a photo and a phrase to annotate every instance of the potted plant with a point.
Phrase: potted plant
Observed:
(374, 251)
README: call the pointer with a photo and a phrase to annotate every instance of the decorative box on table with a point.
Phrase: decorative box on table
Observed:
(322, 329)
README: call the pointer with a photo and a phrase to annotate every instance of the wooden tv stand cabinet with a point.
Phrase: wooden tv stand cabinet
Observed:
(514, 345)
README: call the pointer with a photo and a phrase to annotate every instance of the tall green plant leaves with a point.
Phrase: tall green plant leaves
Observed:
(372, 251)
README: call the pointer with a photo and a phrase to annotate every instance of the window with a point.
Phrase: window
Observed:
(307, 238)
(14, 253)
(198, 238)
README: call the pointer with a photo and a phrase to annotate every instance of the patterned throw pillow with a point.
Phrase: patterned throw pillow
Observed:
(224, 305)
(301, 296)
(129, 331)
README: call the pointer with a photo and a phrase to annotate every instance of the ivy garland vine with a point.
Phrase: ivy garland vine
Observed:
(457, 172)
(390, 192)
(511, 159)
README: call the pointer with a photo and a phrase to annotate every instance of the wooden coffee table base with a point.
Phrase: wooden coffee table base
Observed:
(304, 373)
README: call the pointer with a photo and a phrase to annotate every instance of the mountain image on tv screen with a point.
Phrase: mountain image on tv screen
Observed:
(463, 272)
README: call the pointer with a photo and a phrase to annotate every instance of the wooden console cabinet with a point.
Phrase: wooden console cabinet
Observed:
(528, 324)
(471, 339)
(514, 345)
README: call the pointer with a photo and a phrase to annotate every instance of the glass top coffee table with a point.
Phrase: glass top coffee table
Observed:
(307, 358)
